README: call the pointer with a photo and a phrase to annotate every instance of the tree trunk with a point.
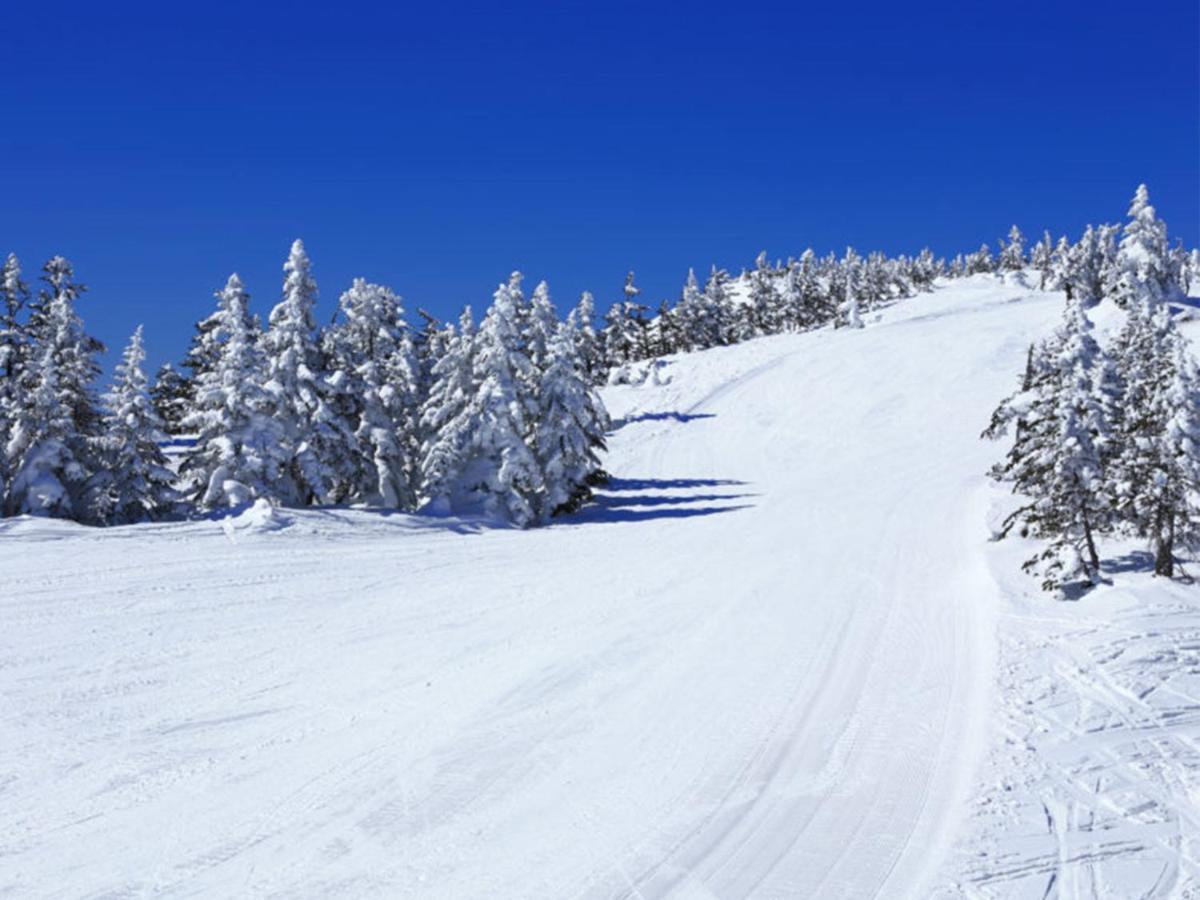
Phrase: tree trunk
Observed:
(1091, 549)
(1164, 555)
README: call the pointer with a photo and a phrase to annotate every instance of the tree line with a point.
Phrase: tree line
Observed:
(499, 415)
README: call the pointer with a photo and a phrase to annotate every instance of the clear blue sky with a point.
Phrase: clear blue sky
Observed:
(436, 147)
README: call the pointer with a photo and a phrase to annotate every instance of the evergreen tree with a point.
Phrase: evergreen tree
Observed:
(587, 343)
(377, 375)
(317, 443)
(447, 416)
(14, 352)
(1012, 254)
(765, 303)
(238, 452)
(1157, 474)
(718, 305)
(570, 429)
(134, 484)
(47, 475)
(1141, 269)
(1056, 460)
(172, 396)
(1041, 259)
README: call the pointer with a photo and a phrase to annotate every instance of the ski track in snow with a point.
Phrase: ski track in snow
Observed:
(763, 664)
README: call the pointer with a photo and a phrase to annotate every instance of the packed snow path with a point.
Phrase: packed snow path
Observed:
(761, 666)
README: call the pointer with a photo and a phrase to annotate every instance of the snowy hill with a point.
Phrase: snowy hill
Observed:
(779, 658)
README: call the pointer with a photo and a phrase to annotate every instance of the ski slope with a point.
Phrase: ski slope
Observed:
(770, 662)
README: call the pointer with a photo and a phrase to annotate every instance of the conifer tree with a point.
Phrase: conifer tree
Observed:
(172, 396)
(587, 344)
(378, 379)
(317, 442)
(447, 416)
(134, 483)
(1012, 254)
(1057, 458)
(1157, 474)
(569, 435)
(1141, 269)
(237, 457)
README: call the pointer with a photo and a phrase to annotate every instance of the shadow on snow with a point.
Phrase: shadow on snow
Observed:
(646, 499)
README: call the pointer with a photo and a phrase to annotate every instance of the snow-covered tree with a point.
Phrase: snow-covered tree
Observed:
(134, 483)
(569, 434)
(1012, 253)
(238, 455)
(14, 352)
(172, 397)
(848, 314)
(480, 455)
(55, 420)
(1057, 458)
(587, 343)
(317, 443)
(980, 261)
(718, 304)
(1041, 257)
(448, 416)
(765, 308)
(47, 474)
(1141, 271)
(1157, 474)
(377, 376)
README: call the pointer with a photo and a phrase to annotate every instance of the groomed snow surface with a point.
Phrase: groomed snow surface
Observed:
(779, 658)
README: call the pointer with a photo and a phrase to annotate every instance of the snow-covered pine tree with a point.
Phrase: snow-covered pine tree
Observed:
(479, 456)
(47, 477)
(717, 302)
(318, 444)
(1157, 474)
(694, 321)
(134, 483)
(569, 434)
(980, 261)
(237, 456)
(848, 314)
(1040, 258)
(1056, 460)
(587, 343)
(372, 351)
(624, 335)
(448, 416)
(1012, 253)
(1142, 263)
(14, 352)
(49, 460)
(172, 396)
(765, 303)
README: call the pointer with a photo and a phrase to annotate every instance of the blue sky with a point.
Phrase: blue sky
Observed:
(437, 147)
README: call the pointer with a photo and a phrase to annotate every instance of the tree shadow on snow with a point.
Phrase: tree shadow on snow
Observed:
(1135, 561)
(646, 499)
(669, 416)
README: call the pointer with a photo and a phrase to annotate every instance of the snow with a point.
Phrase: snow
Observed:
(779, 657)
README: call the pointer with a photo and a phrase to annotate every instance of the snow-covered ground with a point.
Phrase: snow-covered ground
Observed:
(780, 658)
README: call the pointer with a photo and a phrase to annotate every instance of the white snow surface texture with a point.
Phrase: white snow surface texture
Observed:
(779, 658)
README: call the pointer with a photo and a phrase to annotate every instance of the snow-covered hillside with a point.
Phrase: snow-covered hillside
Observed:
(779, 658)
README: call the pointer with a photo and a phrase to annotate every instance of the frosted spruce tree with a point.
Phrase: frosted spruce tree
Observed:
(1012, 253)
(172, 396)
(510, 482)
(1157, 474)
(134, 483)
(47, 475)
(1141, 270)
(765, 303)
(317, 444)
(237, 457)
(569, 434)
(448, 417)
(55, 422)
(1057, 461)
(587, 344)
(14, 353)
(372, 351)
